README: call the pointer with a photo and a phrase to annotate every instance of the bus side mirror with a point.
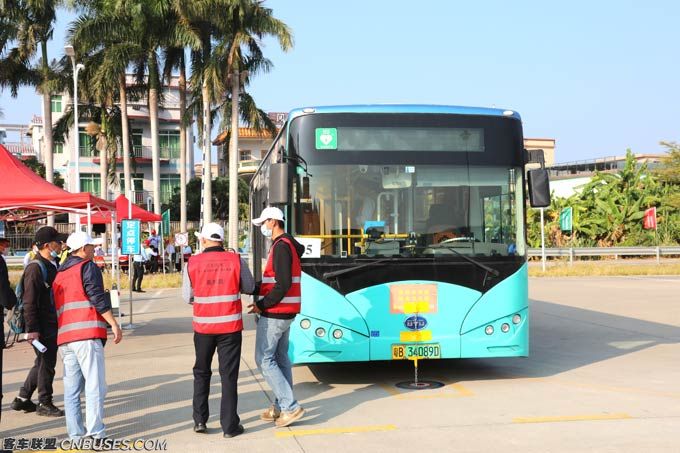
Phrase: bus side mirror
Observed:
(539, 188)
(278, 184)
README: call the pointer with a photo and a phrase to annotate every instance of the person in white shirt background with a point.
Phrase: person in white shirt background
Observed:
(170, 253)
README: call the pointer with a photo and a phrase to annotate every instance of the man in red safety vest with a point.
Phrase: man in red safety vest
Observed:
(277, 303)
(213, 282)
(83, 315)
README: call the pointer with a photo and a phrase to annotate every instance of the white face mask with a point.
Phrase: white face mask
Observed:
(266, 232)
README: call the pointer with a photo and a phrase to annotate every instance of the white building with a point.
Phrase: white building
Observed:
(140, 129)
(567, 178)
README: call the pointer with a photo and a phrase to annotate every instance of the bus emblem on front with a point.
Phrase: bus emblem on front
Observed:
(415, 323)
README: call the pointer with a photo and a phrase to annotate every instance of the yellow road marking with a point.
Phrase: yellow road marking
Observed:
(460, 391)
(389, 389)
(429, 396)
(352, 429)
(571, 418)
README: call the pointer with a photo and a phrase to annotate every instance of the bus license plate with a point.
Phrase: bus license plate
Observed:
(422, 351)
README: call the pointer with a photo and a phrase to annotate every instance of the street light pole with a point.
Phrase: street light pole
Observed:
(76, 136)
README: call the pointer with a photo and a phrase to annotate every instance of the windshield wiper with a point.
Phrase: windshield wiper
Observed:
(333, 274)
(487, 270)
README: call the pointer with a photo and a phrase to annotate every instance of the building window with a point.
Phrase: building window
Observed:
(85, 144)
(55, 102)
(168, 185)
(168, 141)
(137, 142)
(90, 182)
(137, 183)
(58, 148)
(244, 154)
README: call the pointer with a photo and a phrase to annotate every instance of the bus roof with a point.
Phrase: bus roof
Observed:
(404, 108)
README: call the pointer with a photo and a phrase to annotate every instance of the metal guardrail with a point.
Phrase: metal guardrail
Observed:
(569, 252)
(572, 252)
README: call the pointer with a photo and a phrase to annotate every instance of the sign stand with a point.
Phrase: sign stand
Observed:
(181, 239)
(131, 243)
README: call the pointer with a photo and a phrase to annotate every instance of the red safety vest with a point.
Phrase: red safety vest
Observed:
(217, 303)
(77, 319)
(290, 304)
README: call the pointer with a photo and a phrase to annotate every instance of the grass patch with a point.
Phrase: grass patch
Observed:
(603, 269)
(151, 281)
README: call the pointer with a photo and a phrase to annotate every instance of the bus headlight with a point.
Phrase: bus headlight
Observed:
(305, 323)
(516, 319)
(488, 330)
(320, 332)
(337, 334)
(505, 327)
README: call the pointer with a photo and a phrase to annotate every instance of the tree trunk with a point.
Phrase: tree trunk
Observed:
(207, 158)
(127, 172)
(155, 152)
(233, 160)
(182, 147)
(48, 145)
(103, 171)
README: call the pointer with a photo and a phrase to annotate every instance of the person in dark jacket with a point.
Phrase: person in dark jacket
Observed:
(277, 303)
(7, 300)
(41, 324)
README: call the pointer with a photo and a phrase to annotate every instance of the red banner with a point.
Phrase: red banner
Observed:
(649, 220)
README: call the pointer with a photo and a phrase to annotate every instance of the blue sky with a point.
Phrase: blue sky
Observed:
(599, 77)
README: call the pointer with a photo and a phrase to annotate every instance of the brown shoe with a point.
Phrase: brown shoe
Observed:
(271, 414)
(288, 418)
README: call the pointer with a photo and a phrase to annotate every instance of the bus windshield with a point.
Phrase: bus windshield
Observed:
(411, 210)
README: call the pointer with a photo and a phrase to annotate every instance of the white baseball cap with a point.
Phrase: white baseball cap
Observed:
(78, 240)
(211, 232)
(269, 213)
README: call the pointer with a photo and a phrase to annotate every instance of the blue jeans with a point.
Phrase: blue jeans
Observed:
(84, 370)
(271, 357)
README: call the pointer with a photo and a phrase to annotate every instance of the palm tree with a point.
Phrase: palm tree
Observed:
(180, 34)
(227, 41)
(250, 21)
(175, 59)
(29, 25)
(206, 76)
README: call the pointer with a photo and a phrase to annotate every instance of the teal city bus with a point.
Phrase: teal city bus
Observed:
(413, 220)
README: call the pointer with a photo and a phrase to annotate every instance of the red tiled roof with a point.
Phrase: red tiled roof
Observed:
(243, 132)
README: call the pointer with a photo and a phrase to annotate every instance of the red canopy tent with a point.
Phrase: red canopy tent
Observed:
(122, 206)
(22, 192)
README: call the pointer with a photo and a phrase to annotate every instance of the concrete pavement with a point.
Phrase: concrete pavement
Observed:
(602, 376)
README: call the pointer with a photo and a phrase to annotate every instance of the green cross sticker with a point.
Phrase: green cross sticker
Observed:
(326, 138)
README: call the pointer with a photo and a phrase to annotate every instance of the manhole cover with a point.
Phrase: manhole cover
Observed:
(420, 385)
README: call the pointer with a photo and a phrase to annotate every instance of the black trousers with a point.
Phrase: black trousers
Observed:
(229, 357)
(2, 348)
(41, 376)
(138, 275)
